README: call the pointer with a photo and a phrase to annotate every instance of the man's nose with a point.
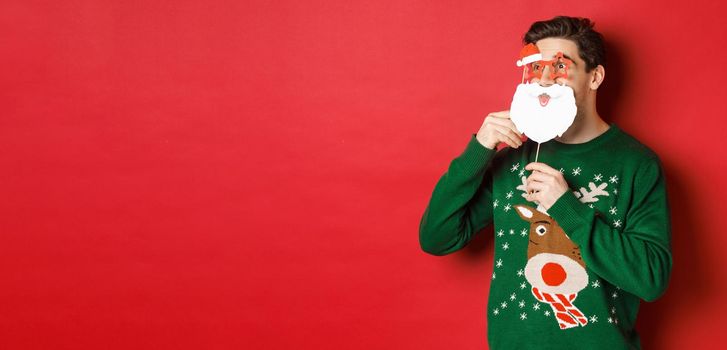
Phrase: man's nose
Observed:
(545, 79)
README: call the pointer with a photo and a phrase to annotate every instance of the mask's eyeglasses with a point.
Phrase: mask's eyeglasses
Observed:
(558, 68)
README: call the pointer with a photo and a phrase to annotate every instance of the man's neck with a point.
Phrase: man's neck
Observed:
(585, 128)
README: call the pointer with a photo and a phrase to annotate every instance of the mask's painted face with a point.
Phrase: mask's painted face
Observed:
(544, 105)
(557, 68)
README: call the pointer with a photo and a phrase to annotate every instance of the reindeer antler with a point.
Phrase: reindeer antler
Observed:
(583, 195)
(523, 186)
(590, 196)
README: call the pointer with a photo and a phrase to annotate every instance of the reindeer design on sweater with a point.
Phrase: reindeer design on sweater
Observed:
(555, 269)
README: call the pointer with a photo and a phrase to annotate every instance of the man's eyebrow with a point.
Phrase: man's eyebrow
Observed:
(572, 60)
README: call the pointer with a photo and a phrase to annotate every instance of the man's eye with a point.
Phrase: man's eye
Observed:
(561, 66)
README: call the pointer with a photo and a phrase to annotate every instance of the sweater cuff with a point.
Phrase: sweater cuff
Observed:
(571, 215)
(476, 157)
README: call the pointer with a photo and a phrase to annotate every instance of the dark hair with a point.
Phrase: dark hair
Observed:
(579, 30)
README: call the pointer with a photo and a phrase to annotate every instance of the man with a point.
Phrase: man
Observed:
(582, 235)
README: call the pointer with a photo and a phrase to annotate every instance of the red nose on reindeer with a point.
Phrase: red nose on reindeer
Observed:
(553, 274)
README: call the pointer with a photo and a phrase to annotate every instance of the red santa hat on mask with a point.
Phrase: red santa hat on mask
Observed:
(529, 54)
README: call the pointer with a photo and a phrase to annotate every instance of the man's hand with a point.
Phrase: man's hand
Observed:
(499, 128)
(545, 185)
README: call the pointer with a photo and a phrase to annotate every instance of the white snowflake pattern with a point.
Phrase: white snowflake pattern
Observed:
(615, 191)
(524, 232)
(614, 295)
(613, 179)
(596, 284)
(506, 246)
(495, 203)
(613, 210)
(512, 296)
(498, 263)
(523, 316)
(494, 275)
(597, 177)
(536, 306)
(503, 305)
(520, 272)
(610, 320)
(521, 172)
(590, 206)
(514, 167)
(593, 319)
(617, 223)
(562, 170)
(523, 285)
(507, 207)
(577, 171)
(500, 233)
(546, 313)
(509, 195)
(495, 312)
(512, 232)
(521, 304)
(613, 310)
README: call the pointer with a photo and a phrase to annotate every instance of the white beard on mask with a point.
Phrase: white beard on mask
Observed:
(542, 113)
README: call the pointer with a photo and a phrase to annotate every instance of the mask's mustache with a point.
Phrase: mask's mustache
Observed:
(553, 91)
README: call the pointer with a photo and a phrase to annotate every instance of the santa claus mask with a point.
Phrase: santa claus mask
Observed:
(544, 112)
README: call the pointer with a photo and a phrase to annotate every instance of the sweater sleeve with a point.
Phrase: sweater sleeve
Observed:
(637, 259)
(460, 205)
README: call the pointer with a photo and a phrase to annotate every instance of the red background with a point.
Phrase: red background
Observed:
(251, 174)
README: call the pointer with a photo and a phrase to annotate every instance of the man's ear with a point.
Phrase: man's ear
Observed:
(597, 76)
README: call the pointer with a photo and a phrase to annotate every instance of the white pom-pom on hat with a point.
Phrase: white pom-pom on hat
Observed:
(529, 54)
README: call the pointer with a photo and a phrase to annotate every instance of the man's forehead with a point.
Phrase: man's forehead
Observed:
(549, 47)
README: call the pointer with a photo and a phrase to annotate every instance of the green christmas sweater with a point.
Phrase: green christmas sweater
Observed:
(571, 276)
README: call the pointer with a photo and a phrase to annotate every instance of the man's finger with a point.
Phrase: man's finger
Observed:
(535, 186)
(512, 126)
(509, 134)
(506, 123)
(501, 114)
(540, 176)
(499, 121)
(542, 167)
(533, 197)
